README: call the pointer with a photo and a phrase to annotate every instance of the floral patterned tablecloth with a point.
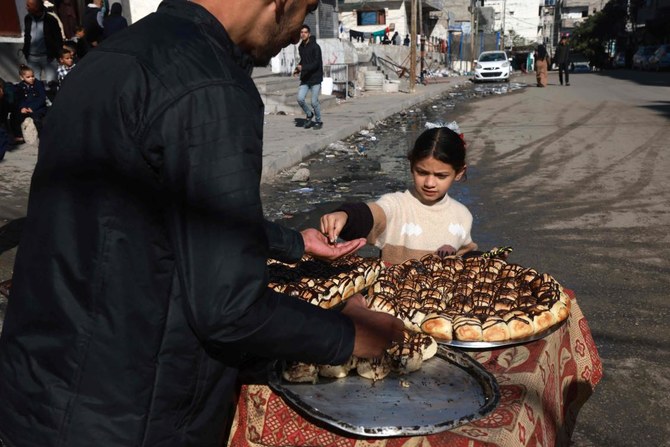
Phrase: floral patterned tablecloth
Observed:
(543, 385)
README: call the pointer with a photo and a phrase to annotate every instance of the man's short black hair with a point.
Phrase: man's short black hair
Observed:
(305, 26)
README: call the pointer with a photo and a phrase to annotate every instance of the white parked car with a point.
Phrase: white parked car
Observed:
(493, 66)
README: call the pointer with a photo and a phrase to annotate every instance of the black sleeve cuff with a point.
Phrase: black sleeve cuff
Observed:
(360, 221)
(286, 245)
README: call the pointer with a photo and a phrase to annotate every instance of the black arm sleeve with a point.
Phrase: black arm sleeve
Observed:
(286, 245)
(360, 220)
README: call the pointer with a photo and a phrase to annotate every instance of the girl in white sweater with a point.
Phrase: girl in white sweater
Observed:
(421, 220)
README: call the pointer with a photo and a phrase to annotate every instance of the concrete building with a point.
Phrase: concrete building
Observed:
(573, 12)
(518, 20)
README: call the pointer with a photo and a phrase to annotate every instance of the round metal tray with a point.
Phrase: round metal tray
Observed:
(449, 390)
(500, 344)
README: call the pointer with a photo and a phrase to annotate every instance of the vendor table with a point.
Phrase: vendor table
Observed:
(543, 385)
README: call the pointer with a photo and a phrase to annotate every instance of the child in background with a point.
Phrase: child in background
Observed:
(421, 220)
(65, 64)
(32, 103)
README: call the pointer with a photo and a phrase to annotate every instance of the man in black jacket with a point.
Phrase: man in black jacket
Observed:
(140, 282)
(311, 76)
(562, 59)
(42, 41)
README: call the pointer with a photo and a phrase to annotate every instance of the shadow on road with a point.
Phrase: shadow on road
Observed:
(663, 107)
(650, 78)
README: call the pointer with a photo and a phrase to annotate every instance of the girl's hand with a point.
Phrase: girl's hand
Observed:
(317, 245)
(25, 110)
(446, 250)
(332, 224)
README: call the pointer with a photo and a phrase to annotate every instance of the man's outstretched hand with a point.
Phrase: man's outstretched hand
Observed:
(375, 331)
(317, 245)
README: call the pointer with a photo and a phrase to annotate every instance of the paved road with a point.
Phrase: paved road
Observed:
(577, 180)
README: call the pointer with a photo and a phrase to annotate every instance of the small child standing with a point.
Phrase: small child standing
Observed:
(421, 220)
(32, 103)
(65, 64)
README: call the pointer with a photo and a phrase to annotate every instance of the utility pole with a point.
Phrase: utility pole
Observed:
(472, 33)
(412, 48)
(504, 12)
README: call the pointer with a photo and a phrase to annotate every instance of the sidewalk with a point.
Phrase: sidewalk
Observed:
(285, 145)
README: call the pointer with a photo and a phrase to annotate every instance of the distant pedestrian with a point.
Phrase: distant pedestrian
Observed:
(42, 41)
(80, 43)
(396, 38)
(114, 22)
(5, 109)
(32, 104)
(67, 11)
(406, 42)
(93, 22)
(541, 65)
(562, 59)
(310, 70)
(65, 64)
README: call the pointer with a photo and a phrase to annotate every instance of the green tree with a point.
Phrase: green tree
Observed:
(592, 36)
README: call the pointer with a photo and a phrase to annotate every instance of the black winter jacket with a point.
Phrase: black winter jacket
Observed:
(140, 280)
(311, 64)
(562, 55)
(53, 38)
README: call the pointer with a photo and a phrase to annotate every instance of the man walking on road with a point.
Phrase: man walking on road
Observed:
(562, 59)
(311, 75)
(140, 284)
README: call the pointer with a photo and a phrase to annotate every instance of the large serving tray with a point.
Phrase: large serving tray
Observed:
(449, 390)
(500, 344)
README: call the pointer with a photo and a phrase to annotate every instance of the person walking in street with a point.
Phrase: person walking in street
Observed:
(42, 41)
(541, 65)
(140, 282)
(562, 59)
(310, 70)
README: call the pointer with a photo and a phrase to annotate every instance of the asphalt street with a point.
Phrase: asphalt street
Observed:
(576, 180)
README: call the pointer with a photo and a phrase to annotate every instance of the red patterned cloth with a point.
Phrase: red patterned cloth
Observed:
(543, 385)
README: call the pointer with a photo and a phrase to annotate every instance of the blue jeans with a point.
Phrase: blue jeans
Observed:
(302, 92)
(45, 69)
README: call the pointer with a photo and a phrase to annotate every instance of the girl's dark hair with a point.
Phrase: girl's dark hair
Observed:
(23, 68)
(442, 144)
(541, 52)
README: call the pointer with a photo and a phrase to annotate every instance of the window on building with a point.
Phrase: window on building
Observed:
(372, 17)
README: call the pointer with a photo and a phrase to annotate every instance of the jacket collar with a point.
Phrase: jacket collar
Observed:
(203, 18)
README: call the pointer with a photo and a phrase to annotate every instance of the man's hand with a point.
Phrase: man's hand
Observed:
(316, 244)
(375, 331)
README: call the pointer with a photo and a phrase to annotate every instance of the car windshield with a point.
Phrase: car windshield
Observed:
(492, 57)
